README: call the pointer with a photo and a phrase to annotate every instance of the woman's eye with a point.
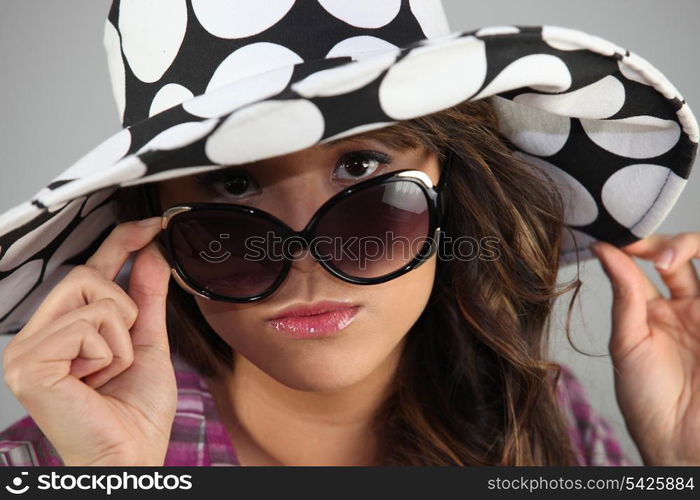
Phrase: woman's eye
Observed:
(360, 164)
(228, 183)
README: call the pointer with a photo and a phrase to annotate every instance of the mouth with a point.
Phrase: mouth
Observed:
(314, 320)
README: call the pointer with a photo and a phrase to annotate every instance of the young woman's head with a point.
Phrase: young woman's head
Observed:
(465, 338)
(292, 188)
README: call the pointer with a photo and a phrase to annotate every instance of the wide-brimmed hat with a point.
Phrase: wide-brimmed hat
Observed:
(205, 84)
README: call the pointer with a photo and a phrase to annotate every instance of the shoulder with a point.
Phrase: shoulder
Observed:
(24, 444)
(592, 437)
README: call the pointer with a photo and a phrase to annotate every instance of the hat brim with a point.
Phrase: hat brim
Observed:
(602, 121)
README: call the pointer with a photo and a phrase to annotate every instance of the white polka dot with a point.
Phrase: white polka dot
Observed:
(264, 130)
(561, 38)
(640, 70)
(85, 233)
(253, 59)
(16, 285)
(130, 167)
(534, 131)
(239, 93)
(632, 68)
(179, 135)
(171, 174)
(569, 243)
(690, 124)
(640, 196)
(363, 13)
(570, 39)
(239, 18)
(45, 192)
(168, 96)
(498, 30)
(448, 73)
(26, 309)
(356, 45)
(357, 130)
(431, 17)
(29, 244)
(17, 216)
(580, 207)
(96, 199)
(601, 99)
(152, 33)
(345, 78)
(115, 65)
(635, 137)
(539, 71)
(104, 155)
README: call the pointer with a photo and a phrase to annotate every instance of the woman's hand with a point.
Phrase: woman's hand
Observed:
(92, 366)
(655, 346)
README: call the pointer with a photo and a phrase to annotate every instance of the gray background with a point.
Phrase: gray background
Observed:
(56, 105)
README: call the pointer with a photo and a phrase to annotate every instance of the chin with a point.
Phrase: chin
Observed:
(315, 371)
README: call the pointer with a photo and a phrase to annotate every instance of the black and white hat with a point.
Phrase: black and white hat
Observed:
(204, 84)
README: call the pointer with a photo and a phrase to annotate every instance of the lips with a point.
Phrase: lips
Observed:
(315, 320)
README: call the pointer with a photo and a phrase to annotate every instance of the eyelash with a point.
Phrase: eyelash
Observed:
(214, 177)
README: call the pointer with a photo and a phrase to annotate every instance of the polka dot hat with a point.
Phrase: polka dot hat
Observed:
(202, 84)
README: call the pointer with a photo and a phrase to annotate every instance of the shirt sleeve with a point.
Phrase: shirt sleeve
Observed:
(24, 444)
(592, 437)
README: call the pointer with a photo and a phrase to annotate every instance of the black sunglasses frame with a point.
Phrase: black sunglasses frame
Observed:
(436, 207)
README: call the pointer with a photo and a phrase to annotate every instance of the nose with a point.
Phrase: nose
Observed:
(302, 260)
(299, 200)
(296, 212)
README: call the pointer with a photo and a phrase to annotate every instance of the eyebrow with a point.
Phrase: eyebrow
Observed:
(353, 138)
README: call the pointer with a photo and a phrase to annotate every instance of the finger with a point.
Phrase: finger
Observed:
(148, 287)
(648, 247)
(33, 372)
(651, 291)
(678, 272)
(629, 309)
(117, 247)
(81, 286)
(104, 317)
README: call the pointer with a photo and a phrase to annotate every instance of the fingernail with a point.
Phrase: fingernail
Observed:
(151, 221)
(664, 261)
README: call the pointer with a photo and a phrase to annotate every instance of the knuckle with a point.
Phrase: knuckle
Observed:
(12, 378)
(131, 309)
(82, 273)
(84, 325)
(124, 361)
(108, 305)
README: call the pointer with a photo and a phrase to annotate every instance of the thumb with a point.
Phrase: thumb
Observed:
(148, 287)
(629, 309)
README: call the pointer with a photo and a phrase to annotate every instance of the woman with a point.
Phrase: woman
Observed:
(441, 360)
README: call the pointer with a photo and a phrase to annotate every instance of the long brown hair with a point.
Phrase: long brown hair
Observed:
(474, 385)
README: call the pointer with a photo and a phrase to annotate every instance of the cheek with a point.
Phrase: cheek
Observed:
(397, 304)
(237, 324)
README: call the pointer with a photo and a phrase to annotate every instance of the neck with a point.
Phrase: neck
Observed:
(273, 424)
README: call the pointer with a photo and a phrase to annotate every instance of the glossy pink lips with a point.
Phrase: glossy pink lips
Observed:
(307, 323)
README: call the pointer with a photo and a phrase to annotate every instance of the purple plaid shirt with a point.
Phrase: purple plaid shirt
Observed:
(199, 438)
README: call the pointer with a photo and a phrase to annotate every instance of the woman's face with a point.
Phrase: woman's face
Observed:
(292, 188)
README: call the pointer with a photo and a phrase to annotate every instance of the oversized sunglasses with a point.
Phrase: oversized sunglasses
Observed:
(369, 233)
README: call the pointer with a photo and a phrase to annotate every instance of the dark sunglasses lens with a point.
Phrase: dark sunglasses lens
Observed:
(219, 251)
(375, 231)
